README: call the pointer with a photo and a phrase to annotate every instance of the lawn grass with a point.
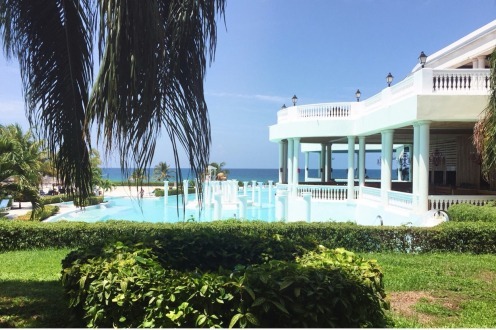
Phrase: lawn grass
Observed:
(31, 294)
(440, 290)
(428, 290)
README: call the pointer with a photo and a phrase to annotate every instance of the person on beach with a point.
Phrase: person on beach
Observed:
(142, 192)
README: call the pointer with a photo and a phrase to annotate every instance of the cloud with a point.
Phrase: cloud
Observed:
(260, 97)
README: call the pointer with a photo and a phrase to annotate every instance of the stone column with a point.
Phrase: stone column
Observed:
(270, 192)
(242, 206)
(329, 162)
(307, 156)
(296, 153)
(322, 162)
(185, 191)
(351, 168)
(415, 165)
(361, 160)
(423, 170)
(290, 161)
(281, 161)
(482, 62)
(386, 160)
(285, 163)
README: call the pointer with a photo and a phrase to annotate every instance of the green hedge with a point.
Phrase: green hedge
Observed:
(130, 287)
(56, 199)
(472, 213)
(228, 239)
(41, 214)
(91, 200)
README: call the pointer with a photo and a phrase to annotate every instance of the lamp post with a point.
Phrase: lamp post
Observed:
(422, 59)
(389, 79)
(283, 106)
(357, 95)
(294, 99)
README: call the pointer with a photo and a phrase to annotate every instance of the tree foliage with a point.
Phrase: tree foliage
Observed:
(21, 161)
(485, 129)
(152, 57)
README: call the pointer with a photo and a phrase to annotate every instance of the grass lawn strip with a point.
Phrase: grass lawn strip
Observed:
(427, 290)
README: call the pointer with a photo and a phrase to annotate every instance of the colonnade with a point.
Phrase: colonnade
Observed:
(289, 151)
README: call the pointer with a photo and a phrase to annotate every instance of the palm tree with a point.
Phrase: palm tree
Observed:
(162, 171)
(106, 185)
(221, 172)
(152, 57)
(485, 129)
(20, 160)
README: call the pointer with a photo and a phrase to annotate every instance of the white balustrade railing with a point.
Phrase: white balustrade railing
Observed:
(335, 193)
(400, 199)
(370, 193)
(462, 80)
(315, 111)
(425, 81)
(326, 110)
(443, 202)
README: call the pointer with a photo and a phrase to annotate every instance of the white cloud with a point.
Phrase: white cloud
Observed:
(260, 97)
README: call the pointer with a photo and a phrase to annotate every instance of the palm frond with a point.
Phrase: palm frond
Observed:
(146, 84)
(53, 42)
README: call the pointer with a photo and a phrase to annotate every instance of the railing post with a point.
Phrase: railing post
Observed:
(281, 205)
(307, 198)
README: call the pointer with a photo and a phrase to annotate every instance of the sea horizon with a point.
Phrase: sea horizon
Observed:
(241, 174)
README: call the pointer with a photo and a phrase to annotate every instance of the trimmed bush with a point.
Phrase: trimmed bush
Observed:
(41, 214)
(472, 213)
(91, 200)
(128, 287)
(257, 241)
(56, 199)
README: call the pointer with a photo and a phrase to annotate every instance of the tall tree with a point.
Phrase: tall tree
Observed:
(485, 129)
(152, 59)
(20, 159)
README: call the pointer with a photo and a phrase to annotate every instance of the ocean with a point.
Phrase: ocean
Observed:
(246, 174)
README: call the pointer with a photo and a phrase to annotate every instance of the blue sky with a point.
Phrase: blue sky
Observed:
(320, 50)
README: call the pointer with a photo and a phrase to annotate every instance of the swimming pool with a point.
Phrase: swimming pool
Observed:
(156, 210)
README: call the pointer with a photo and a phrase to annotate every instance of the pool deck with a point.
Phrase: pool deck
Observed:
(15, 211)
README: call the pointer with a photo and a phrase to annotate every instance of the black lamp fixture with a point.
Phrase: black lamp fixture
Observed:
(422, 58)
(357, 95)
(389, 79)
(284, 106)
(294, 99)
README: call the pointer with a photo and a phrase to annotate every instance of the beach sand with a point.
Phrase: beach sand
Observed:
(126, 191)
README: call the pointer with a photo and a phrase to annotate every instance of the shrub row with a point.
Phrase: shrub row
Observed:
(130, 287)
(41, 214)
(56, 199)
(91, 200)
(472, 213)
(159, 192)
(229, 239)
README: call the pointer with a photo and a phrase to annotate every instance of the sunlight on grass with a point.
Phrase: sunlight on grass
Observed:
(461, 288)
(452, 290)
(30, 290)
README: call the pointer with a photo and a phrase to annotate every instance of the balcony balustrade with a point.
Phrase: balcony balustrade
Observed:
(422, 82)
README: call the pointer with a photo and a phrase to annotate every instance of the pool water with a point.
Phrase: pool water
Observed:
(155, 210)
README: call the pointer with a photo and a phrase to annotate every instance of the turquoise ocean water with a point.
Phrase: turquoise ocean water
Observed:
(245, 174)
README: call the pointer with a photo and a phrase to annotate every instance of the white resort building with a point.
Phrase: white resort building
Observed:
(427, 119)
